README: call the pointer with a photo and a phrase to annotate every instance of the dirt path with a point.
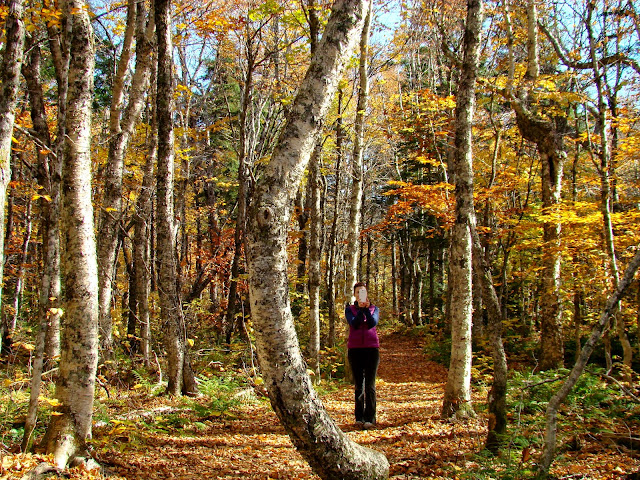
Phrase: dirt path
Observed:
(252, 445)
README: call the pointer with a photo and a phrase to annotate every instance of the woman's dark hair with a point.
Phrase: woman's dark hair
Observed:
(359, 284)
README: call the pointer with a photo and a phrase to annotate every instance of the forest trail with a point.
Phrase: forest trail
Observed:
(251, 444)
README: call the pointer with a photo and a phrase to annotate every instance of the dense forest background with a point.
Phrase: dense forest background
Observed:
(141, 142)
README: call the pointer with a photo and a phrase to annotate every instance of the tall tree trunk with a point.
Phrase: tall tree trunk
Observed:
(119, 133)
(457, 396)
(417, 293)
(333, 234)
(605, 189)
(9, 83)
(68, 431)
(331, 454)
(315, 254)
(548, 135)
(179, 373)
(48, 175)
(243, 198)
(315, 225)
(357, 180)
(394, 276)
(302, 202)
(24, 257)
(142, 232)
(551, 414)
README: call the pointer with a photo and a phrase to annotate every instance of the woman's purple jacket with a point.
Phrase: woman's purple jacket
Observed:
(362, 326)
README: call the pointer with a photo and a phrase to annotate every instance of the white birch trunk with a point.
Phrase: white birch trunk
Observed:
(457, 397)
(68, 431)
(330, 453)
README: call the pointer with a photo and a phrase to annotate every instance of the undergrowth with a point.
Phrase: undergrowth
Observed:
(594, 407)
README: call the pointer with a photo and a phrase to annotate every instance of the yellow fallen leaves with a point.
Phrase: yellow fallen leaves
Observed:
(16, 466)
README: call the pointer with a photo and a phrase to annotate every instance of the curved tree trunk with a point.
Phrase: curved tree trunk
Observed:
(457, 396)
(68, 431)
(330, 453)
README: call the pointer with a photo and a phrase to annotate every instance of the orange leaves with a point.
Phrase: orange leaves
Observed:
(434, 200)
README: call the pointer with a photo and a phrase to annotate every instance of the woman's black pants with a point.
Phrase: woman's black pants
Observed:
(364, 365)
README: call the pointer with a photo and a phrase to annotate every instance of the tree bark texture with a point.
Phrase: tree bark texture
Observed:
(9, 83)
(330, 453)
(68, 432)
(179, 373)
(551, 414)
(457, 398)
(120, 131)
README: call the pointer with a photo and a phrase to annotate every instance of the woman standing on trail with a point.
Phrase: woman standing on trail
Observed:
(364, 354)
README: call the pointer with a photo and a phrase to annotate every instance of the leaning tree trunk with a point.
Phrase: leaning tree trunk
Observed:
(69, 430)
(9, 83)
(457, 396)
(551, 415)
(119, 133)
(179, 373)
(330, 453)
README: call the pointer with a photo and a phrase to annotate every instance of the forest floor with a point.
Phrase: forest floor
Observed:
(248, 442)
(251, 444)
